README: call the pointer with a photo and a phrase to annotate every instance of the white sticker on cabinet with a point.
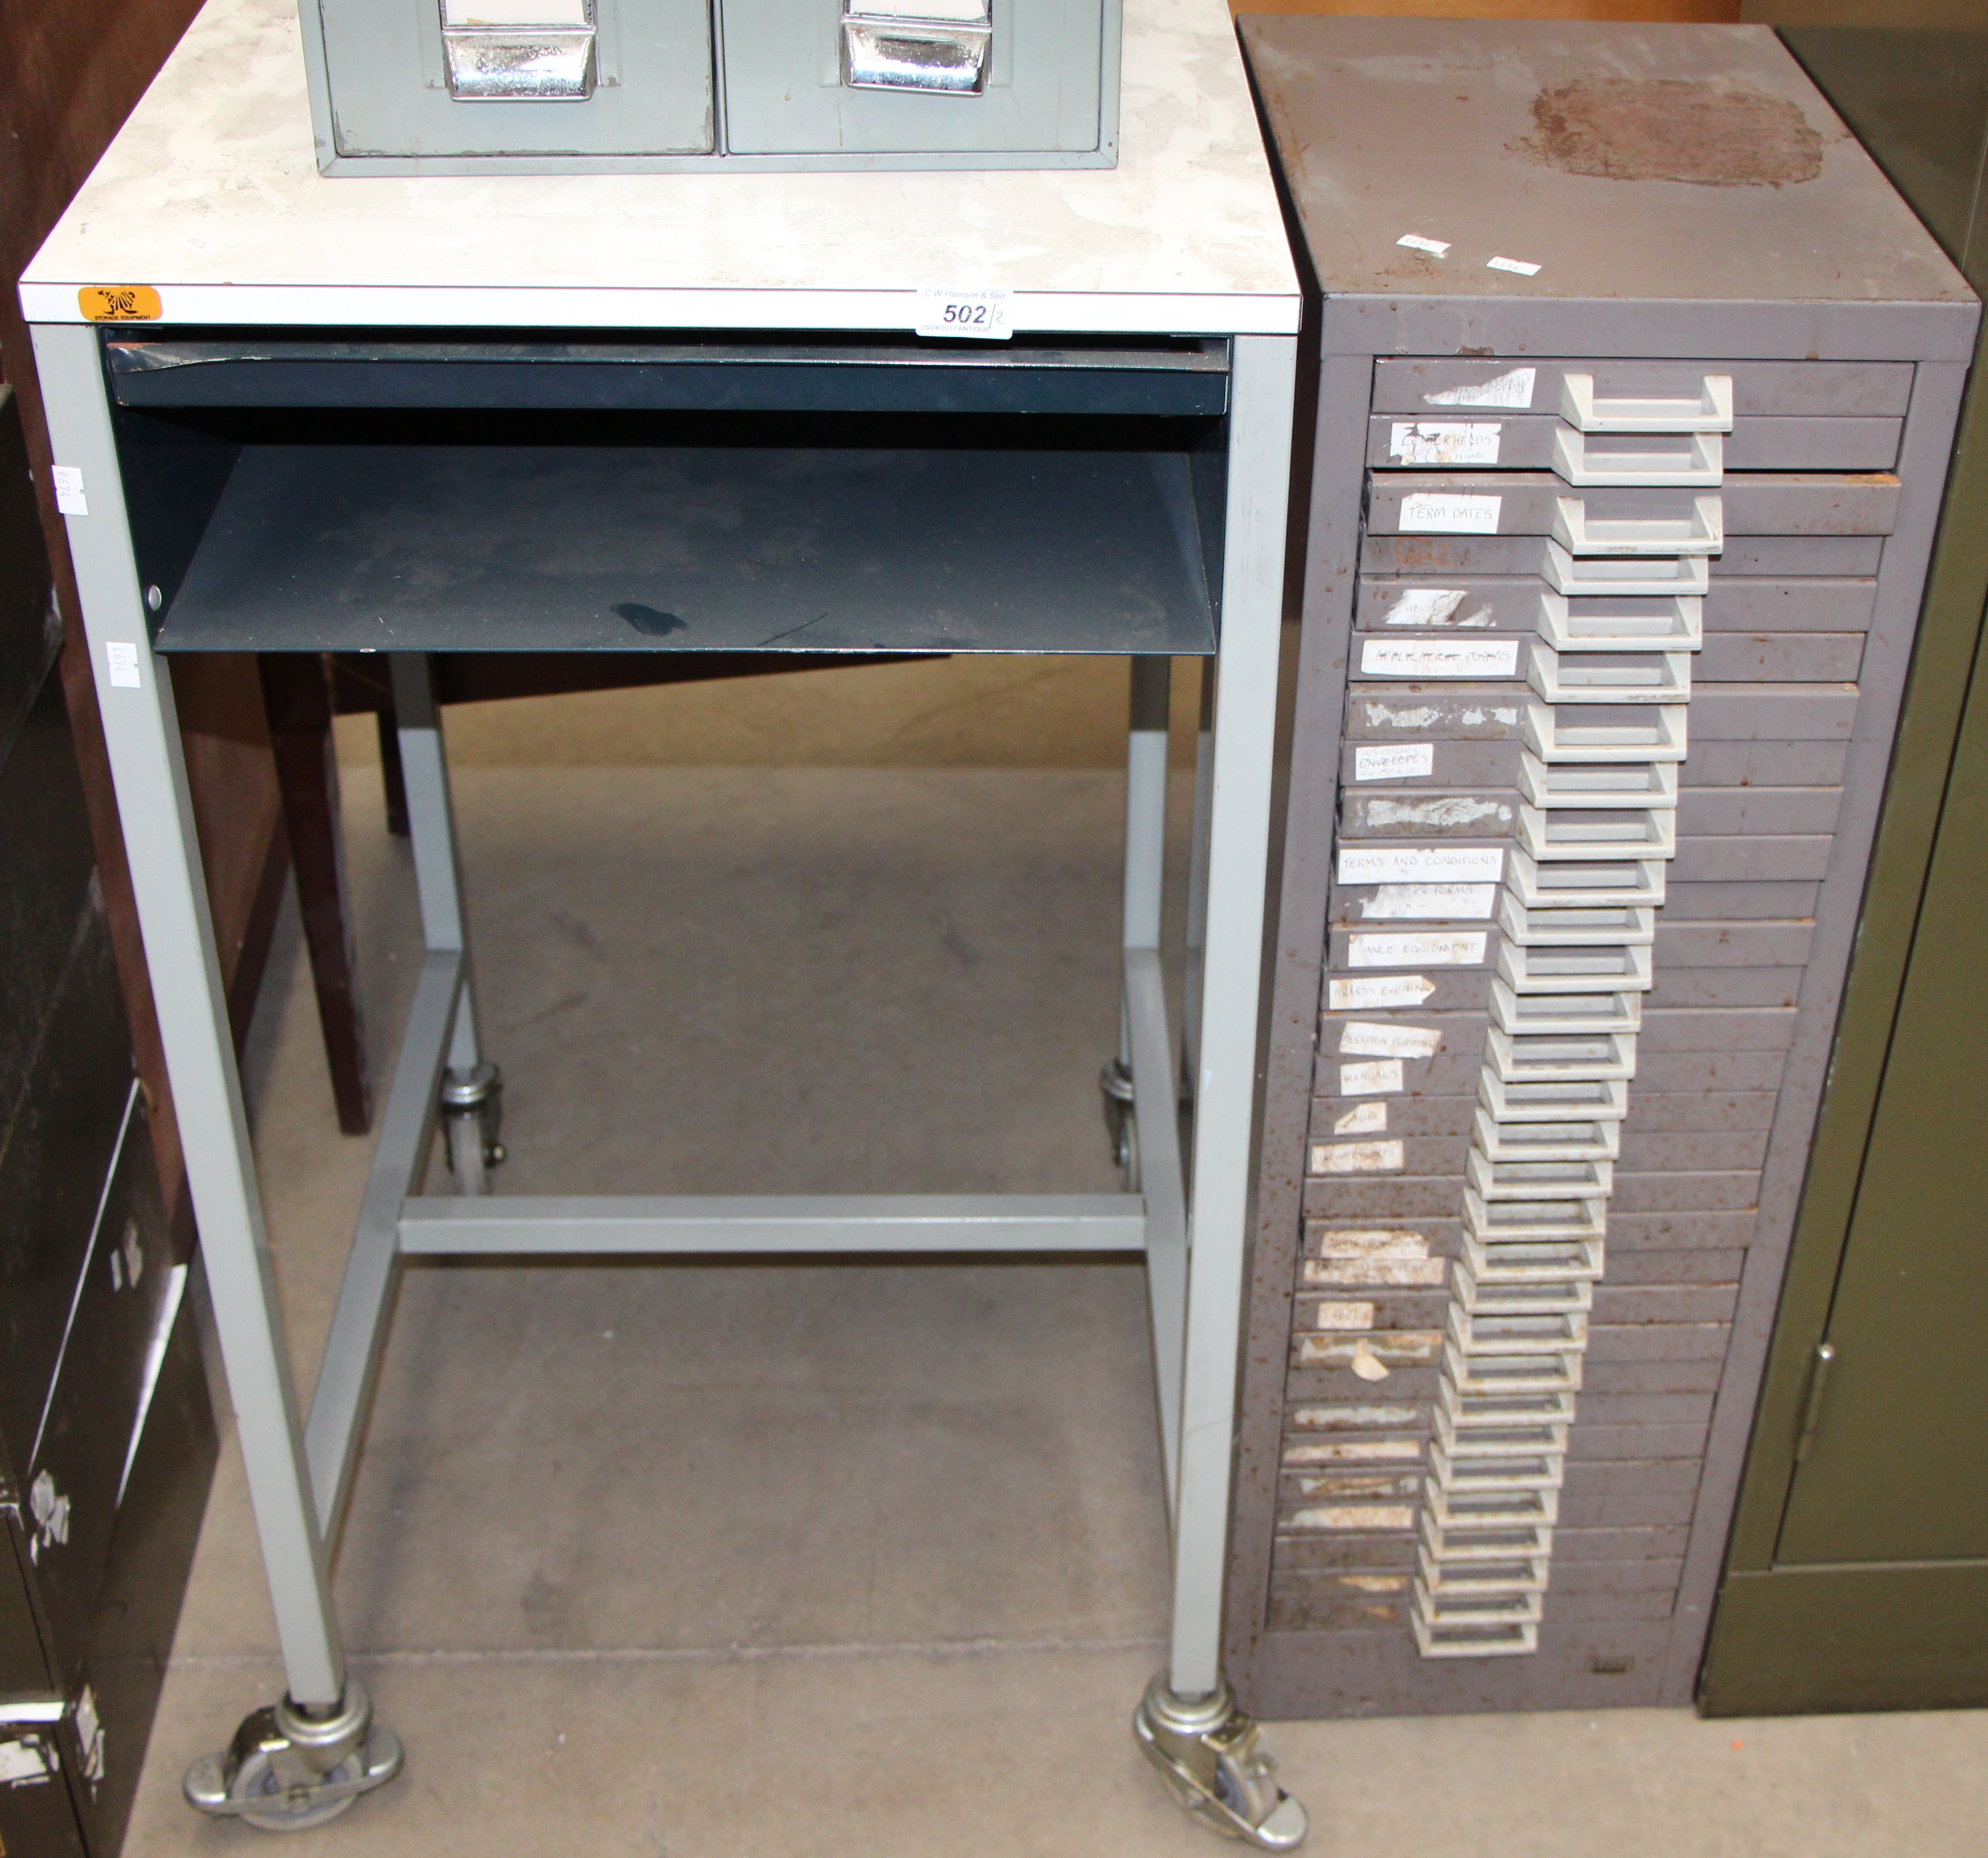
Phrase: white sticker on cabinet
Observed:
(1360, 993)
(1426, 606)
(1463, 949)
(1415, 242)
(120, 664)
(70, 500)
(1382, 1077)
(1426, 863)
(1383, 1039)
(1418, 443)
(1430, 903)
(1394, 761)
(1449, 512)
(1357, 1157)
(1439, 658)
(1513, 389)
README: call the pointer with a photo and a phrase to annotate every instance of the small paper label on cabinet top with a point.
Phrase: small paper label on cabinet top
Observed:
(1427, 864)
(1429, 442)
(1430, 903)
(1394, 761)
(1521, 267)
(1512, 389)
(1384, 1039)
(1416, 242)
(1357, 993)
(1462, 948)
(1439, 658)
(981, 316)
(1445, 512)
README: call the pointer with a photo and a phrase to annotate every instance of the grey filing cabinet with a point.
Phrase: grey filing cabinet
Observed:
(1635, 386)
(538, 86)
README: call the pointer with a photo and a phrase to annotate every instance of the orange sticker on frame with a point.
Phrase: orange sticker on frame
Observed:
(119, 303)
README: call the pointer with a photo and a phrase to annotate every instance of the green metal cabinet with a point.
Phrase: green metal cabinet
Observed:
(1858, 1573)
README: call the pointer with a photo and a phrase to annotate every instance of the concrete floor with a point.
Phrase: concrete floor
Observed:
(778, 1561)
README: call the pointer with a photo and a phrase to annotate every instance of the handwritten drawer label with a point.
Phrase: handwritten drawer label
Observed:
(1430, 903)
(1423, 947)
(1424, 864)
(1382, 1077)
(1403, 761)
(1383, 1038)
(1358, 1157)
(1447, 513)
(1432, 444)
(1362, 1119)
(1513, 389)
(1361, 993)
(1439, 658)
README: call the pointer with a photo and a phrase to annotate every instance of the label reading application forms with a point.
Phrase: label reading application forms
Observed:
(1383, 1038)
(1429, 903)
(1422, 864)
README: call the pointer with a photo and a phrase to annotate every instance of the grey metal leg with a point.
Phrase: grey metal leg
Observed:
(1209, 1754)
(1197, 879)
(318, 1748)
(471, 1086)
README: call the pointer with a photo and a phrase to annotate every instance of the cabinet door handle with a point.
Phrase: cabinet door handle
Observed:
(1818, 1380)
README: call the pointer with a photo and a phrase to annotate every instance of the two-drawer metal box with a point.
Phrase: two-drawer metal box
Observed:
(540, 86)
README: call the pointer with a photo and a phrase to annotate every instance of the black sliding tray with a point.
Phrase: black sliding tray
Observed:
(521, 547)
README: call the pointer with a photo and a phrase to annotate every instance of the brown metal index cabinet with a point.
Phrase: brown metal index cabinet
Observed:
(1635, 385)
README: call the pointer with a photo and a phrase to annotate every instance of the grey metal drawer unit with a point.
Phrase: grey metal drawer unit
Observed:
(542, 87)
(1624, 472)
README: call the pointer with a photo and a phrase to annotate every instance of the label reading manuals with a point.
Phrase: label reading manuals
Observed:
(1421, 864)
(1373, 1078)
(1439, 658)
(985, 315)
(1394, 761)
(1383, 1038)
(1512, 389)
(1429, 902)
(120, 664)
(1364, 993)
(1425, 442)
(1444, 513)
(68, 481)
(1427, 948)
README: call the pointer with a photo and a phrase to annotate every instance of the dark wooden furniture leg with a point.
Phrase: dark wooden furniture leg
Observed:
(296, 690)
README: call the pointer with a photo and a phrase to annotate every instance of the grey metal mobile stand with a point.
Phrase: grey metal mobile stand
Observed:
(310, 1757)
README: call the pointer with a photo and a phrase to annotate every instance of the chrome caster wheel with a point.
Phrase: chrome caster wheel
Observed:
(1121, 1122)
(472, 1113)
(288, 1770)
(1213, 1759)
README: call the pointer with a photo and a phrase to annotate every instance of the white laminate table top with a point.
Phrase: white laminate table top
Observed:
(211, 195)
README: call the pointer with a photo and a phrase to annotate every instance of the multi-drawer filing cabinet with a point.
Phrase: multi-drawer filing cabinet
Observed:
(1634, 384)
(526, 86)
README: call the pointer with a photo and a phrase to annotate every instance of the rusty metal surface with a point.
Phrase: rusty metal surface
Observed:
(1657, 162)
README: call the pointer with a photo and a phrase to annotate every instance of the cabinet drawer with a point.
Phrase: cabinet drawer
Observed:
(1845, 389)
(1538, 503)
(1525, 442)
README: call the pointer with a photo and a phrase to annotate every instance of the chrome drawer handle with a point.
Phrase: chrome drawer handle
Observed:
(519, 51)
(940, 49)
